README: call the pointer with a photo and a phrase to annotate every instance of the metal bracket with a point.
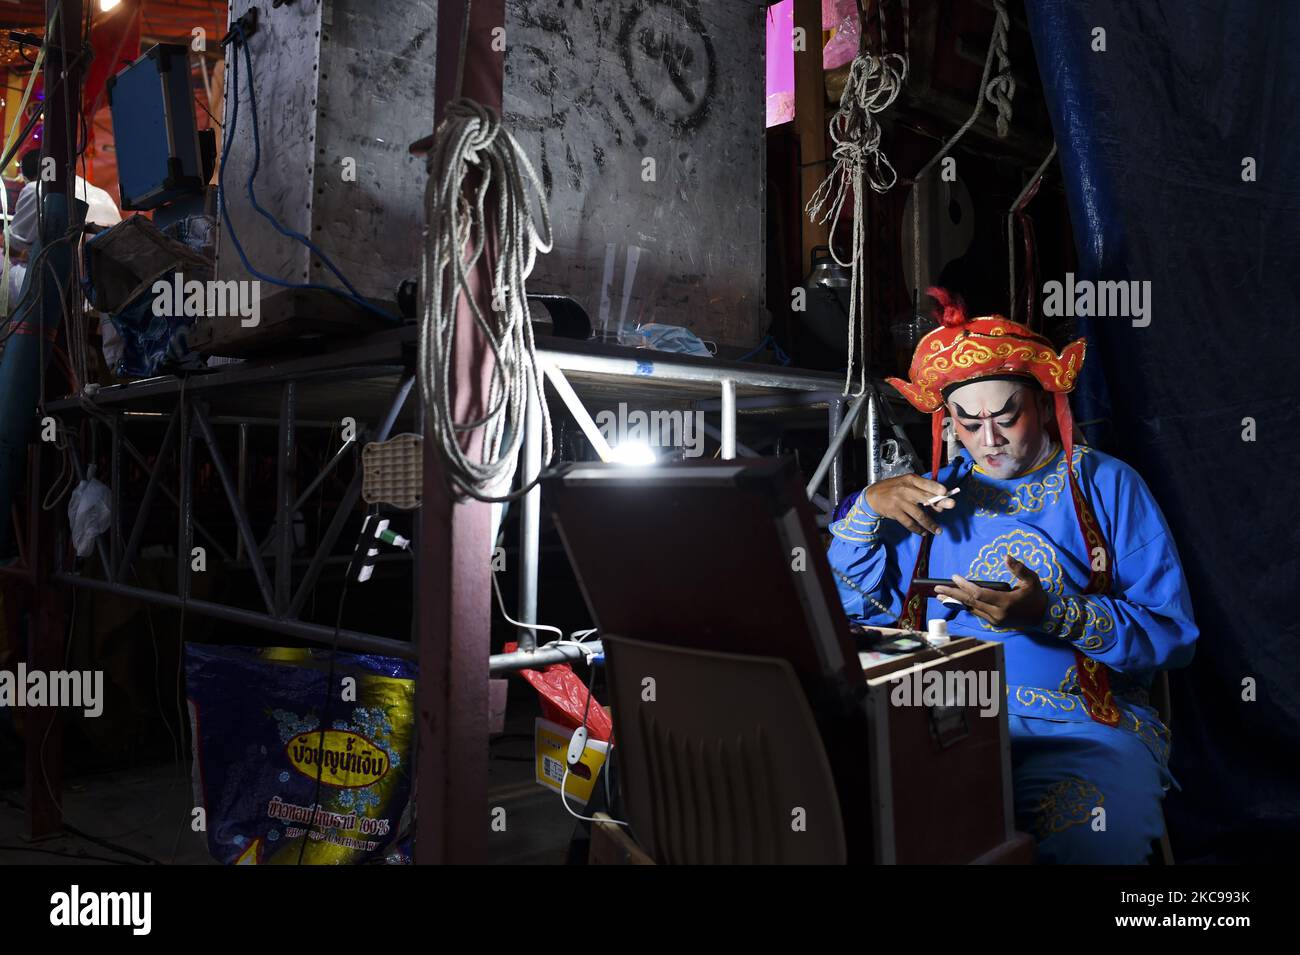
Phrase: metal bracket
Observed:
(948, 725)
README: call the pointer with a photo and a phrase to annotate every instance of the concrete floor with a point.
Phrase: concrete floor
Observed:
(144, 810)
(147, 810)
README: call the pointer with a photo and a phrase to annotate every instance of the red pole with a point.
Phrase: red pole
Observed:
(454, 596)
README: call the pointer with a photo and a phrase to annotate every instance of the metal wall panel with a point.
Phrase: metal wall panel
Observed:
(335, 80)
(595, 87)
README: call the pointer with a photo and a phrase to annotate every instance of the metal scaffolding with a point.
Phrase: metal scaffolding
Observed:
(369, 379)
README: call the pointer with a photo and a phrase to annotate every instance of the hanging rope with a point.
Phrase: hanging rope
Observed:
(998, 91)
(1002, 88)
(1026, 194)
(873, 84)
(456, 235)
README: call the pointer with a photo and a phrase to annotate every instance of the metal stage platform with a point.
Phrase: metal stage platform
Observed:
(371, 380)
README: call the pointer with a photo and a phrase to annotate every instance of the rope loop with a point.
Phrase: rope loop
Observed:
(463, 214)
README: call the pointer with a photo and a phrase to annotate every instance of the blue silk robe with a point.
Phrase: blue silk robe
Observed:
(1064, 764)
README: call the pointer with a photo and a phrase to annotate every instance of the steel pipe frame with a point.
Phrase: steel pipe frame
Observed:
(530, 523)
(146, 503)
(115, 490)
(185, 524)
(316, 482)
(745, 451)
(285, 452)
(311, 632)
(278, 618)
(655, 366)
(837, 441)
(540, 657)
(350, 498)
(834, 415)
(728, 429)
(242, 524)
(577, 409)
(555, 362)
(140, 460)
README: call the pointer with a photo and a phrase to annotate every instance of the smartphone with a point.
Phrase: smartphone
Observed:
(926, 585)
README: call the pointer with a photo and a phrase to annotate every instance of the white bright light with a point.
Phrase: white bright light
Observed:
(636, 453)
(106, 5)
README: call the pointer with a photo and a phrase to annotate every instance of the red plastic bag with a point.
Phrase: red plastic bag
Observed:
(564, 697)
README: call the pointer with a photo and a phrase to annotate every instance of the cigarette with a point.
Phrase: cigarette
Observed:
(939, 497)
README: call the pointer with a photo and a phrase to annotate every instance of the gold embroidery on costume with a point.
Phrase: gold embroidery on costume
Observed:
(1152, 732)
(1080, 621)
(1065, 804)
(1033, 696)
(987, 352)
(1028, 547)
(1070, 697)
(857, 527)
(1027, 497)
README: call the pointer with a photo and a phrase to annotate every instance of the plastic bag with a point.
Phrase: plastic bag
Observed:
(121, 266)
(672, 338)
(256, 721)
(90, 512)
(843, 46)
(564, 697)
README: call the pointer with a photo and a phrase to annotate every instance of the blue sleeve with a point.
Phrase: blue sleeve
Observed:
(865, 557)
(1145, 623)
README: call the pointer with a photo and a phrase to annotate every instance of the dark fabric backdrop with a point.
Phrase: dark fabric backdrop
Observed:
(1152, 134)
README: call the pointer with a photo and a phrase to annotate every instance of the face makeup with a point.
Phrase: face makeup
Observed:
(1002, 425)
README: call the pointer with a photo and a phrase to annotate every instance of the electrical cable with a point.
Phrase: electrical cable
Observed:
(564, 799)
(575, 639)
(361, 544)
(352, 295)
(781, 356)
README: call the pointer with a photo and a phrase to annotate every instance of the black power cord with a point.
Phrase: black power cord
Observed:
(362, 542)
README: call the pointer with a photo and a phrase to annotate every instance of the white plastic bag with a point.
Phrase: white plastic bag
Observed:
(89, 512)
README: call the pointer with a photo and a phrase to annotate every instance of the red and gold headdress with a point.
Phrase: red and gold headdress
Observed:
(962, 350)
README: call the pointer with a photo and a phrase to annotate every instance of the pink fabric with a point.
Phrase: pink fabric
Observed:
(780, 63)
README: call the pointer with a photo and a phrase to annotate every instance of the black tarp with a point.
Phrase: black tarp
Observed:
(1155, 133)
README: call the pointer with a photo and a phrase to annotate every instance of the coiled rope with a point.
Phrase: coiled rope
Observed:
(873, 84)
(456, 234)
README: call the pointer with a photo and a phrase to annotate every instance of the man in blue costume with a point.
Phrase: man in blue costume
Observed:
(1098, 604)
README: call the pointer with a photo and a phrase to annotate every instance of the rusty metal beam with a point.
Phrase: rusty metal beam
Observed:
(454, 593)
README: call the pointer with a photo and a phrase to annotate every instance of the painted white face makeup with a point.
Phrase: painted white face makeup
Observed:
(1002, 425)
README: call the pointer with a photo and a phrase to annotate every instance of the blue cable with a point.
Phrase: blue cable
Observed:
(352, 294)
(781, 356)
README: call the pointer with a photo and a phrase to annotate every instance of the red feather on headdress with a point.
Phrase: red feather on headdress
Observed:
(951, 311)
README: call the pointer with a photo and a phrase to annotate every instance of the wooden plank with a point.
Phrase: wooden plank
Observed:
(611, 845)
(810, 120)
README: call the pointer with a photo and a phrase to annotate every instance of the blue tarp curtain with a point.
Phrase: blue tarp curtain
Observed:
(1155, 133)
